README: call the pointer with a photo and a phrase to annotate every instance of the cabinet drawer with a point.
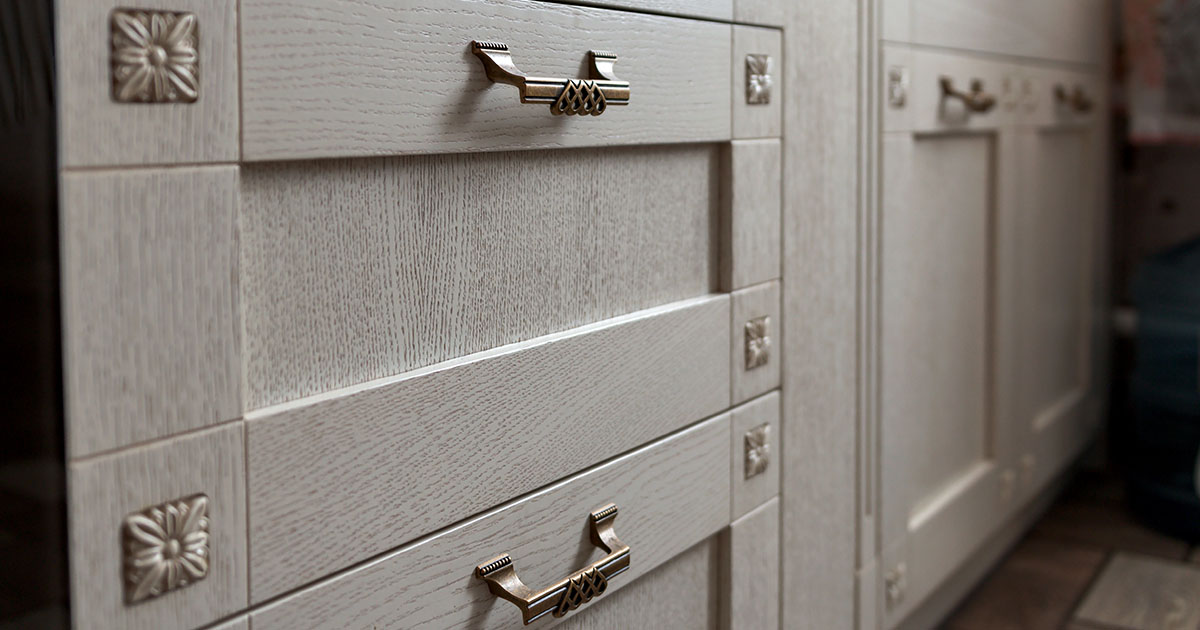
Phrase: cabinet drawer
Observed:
(356, 78)
(1060, 30)
(389, 461)
(924, 105)
(671, 495)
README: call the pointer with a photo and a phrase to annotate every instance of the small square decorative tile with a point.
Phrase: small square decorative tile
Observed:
(1137, 592)
(758, 79)
(758, 342)
(758, 450)
(166, 547)
(154, 56)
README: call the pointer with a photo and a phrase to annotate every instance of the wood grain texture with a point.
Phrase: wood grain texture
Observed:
(103, 490)
(395, 459)
(764, 120)
(357, 270)
(239, 623)
(1063, 30)
(820, 222)
(97, 131)
(1143, 593)
(747, 304)
(752, 570)
(763, 12)
(751, 212)
(712, 9)
(150, 307)
(750, 493)
(685, 592)
(935, 301)
(390, 77)
(672, 494)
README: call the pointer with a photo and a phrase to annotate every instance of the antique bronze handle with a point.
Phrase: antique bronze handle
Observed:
(1075, 99)
(570, 592)
(976, 100)
(592, 95)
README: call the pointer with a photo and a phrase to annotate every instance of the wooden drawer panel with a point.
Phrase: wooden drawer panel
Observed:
(713, 9)
(1061, 30)
(671, 494)
(354, 78)
(479, 430)
(354, 270)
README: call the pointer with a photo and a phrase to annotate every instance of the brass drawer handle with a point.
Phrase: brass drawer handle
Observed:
(587, 96)
(976, 100)
(1076, 99)
(570, 592)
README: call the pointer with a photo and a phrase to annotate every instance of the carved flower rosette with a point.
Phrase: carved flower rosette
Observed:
(166, 547)
(154, 57)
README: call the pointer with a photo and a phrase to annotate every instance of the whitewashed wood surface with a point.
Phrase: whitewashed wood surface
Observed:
(671, 494)
(103, 490)
(751, 193)
(354, 270)
(388, 77)
(389, 461)
(752, 570)
(150, 304)
(821, 176)
(94, 130)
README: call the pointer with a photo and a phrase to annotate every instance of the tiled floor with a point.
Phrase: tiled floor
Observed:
(1088, 565)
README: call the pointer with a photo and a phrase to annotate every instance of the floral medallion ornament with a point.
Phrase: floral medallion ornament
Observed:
(166, 547)
(758, 79)
(758, 342)
(758, 450)
(154, 58)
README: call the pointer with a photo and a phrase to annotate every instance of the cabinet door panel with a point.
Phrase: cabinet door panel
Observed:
(1054, 256)
(938, 435)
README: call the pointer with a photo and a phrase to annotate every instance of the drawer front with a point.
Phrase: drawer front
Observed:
(1059, 30)
(369, 78)
(397, 458)
(671, 495)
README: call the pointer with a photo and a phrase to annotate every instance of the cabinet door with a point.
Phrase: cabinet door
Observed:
(1051, 258)
(939, 438)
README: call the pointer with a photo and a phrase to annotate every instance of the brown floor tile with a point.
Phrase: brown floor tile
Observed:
(1034, 588)
(1107, 525)
(1195, 555)
(1144, 593)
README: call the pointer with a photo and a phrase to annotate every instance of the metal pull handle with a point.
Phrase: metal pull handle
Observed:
(976, 100)
(1076, 99)
(591, 96)
(570, 592)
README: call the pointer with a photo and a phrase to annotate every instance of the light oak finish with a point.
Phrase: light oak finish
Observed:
(685, 592)
(752, 565)
(95, 130)
(672, 494)
(760, 120)
(820, 338)
(752, 303)
(749, 493)
(1143, 593)
(103, 490)
(721, 10)
(416, 88)
(941, 488)
(527, 414)
(240, 623)
(354, 270)
(763, 12)
(752, 171)
(1061, 30)
(150, 304)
